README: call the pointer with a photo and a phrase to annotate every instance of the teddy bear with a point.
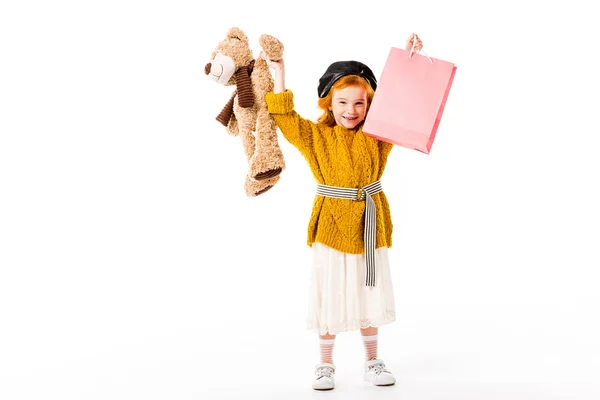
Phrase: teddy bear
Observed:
(246, 114)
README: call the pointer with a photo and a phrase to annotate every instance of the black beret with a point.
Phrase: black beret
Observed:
(342, 68)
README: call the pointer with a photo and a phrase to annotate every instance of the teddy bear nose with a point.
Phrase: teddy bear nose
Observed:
(207, 69)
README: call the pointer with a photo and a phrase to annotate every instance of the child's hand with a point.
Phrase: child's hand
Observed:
(276, 66)
(278, 71)
(409, 43)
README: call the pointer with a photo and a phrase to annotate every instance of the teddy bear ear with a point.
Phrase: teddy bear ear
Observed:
(237, 33)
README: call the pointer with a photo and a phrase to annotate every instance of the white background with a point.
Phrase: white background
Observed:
(133, 266)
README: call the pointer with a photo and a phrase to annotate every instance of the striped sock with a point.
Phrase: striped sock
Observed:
(326, 350)
(370, 343)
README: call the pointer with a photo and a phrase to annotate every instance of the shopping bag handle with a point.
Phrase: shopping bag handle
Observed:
(412, 50)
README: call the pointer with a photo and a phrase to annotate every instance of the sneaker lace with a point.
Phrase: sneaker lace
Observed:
(378, 369)
(324, 371)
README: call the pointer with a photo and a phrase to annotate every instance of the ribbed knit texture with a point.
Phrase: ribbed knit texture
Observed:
(246, 98)
(244, 87)
(338, 157)
(227, 111)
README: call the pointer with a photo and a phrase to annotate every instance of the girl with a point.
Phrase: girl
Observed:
(350, 228)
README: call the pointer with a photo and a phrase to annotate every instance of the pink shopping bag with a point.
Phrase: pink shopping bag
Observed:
(410, 99)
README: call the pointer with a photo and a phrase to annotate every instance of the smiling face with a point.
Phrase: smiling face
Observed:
(349, 106)
(347, 103)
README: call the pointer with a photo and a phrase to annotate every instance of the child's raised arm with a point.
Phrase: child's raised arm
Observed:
(297, 130)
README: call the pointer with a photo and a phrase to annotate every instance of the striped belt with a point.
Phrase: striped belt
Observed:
(370, 231)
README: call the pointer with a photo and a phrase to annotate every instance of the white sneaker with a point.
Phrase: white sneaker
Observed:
(324, 373)
(377, 374)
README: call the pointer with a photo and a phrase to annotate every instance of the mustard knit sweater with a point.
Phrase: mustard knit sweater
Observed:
(338, 157)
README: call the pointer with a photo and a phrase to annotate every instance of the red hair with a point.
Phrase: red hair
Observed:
(327, 117)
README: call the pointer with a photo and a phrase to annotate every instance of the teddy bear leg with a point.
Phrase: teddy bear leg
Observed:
(260, 160)
(267, 161)
(255, 188)
(248, 141)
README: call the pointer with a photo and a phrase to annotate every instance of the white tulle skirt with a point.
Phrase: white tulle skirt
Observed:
(339, 301)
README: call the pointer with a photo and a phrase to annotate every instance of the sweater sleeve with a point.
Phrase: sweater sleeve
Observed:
(297, 130)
